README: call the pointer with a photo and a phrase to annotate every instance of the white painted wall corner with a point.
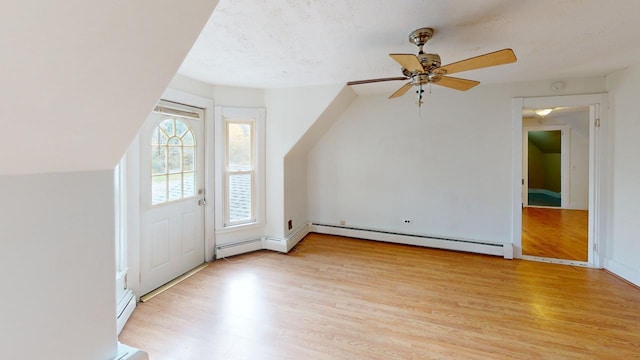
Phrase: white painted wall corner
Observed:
(286, 243)
(622, 270)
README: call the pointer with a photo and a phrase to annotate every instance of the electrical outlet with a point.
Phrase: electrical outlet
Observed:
(290, 224)
(407, 221)
(342, 222)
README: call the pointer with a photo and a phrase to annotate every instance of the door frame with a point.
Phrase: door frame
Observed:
(565, 147)
(133, 223)
(170, 214)
(598, 165)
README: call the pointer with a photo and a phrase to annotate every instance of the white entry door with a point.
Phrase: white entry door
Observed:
(171, 194)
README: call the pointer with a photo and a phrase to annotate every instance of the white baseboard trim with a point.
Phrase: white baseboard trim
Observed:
(556, 261)
(237, 248)
(126, 352)
(624, 271)
(125, 309)
(479, 247)
(284, 244)
(287, 243)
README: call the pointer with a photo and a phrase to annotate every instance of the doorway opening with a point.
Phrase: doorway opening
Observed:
(560, 192)
(545, 158)
(556, 184)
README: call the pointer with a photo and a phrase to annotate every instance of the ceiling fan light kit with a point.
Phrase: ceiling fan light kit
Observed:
(543, 112)
(422, 69)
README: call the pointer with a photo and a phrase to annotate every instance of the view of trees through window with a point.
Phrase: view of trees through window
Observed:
(240, 153)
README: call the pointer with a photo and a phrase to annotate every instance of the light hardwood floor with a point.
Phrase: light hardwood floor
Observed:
(555, 233)
(340, 298)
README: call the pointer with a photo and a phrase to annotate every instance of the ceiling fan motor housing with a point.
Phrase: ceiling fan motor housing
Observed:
(429, 61)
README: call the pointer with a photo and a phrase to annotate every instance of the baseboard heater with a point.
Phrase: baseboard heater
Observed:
(479, 247)
(279, 244)
(237, 248)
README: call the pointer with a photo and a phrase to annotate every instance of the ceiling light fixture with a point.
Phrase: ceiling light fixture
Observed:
(543, 112)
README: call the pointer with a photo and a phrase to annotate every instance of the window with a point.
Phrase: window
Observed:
(240, 167)
(241, 151)
(173, 161)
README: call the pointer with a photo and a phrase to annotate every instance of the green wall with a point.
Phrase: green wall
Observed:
(536, 167)
(552, 173)
(545, 160)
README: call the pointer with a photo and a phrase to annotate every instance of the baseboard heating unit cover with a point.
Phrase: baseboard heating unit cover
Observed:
(479, 247)
(237, 248)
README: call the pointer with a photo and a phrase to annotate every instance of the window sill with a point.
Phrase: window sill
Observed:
(240, 227)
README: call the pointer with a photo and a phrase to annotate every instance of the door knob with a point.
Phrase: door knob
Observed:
(202, 202)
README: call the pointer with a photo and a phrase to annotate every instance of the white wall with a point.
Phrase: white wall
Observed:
(78, 79)
(578, 123)
(623, 251)
(58, 266)
(83, 75)
(295, 161)
(446, 168)
(291, 113)
(222, 95)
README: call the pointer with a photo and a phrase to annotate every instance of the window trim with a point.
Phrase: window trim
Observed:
(228, 173)
(256, 116)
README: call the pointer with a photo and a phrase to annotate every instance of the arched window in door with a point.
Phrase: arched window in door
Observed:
(173, 161)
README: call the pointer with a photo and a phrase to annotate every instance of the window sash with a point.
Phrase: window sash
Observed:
(231, 172)
(255, 117)
(252, 216)
(252, 142)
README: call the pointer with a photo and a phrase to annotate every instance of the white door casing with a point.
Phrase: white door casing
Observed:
(598, 166)
(172, 225)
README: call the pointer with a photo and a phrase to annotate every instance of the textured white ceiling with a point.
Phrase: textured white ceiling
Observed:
(285, 43)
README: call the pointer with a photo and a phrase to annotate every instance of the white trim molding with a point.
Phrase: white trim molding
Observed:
(283, 245)
(622, 270)
(287, 243)
(125, 308)
(255, 117)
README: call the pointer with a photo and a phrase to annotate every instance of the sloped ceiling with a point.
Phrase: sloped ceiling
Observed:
(283, 43)
(78, 78)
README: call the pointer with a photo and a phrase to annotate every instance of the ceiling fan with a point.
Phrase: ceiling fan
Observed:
(425, 69)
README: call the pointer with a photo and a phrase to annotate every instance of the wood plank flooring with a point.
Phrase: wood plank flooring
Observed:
(341, 298)
(555, 233)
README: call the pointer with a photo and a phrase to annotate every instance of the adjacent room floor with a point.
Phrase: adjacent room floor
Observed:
(555, 233)
(341, 298)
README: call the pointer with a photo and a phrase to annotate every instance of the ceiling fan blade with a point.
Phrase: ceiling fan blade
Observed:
(408, 61)
(402, 90)
(504, 56)
(457, 83)
(358, 82)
